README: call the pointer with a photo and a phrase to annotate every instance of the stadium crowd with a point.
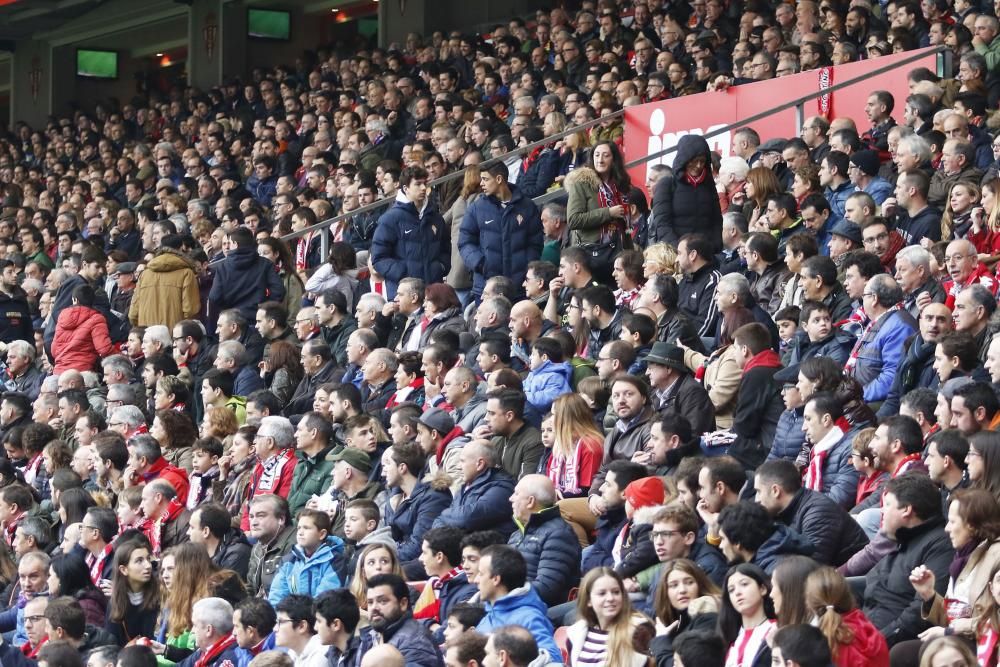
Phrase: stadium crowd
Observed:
(745, 414)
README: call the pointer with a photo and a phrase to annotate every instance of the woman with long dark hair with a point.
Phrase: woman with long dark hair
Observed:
(275, 250)
(284, 370)
(983, 462)
(69, 575)
(746, 617)
(598, 205)
(135, 593)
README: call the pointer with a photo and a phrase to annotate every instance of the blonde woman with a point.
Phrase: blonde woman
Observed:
(374, 559)
(659, 258)
(956, 222)
(985, 232)
(577, 449)
(608, 633)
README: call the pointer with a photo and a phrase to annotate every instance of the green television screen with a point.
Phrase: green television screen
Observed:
(269, 24)
(96, 64)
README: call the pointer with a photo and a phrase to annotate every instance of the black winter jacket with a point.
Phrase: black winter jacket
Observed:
(689, 400)
(552, 553)
(835, 535)
(681, 208)
(783, 542)
(412, 639)
(638, 551)
(758, 407)
(233, 553)
(696, 298)
(244, 280)
(609, 525)
(302, 400)
(890, 603)
(673, 326)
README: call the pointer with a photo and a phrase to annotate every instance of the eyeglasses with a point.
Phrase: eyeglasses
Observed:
(664, 533)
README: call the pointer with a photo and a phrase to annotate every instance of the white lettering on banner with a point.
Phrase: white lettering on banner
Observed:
(660, 140)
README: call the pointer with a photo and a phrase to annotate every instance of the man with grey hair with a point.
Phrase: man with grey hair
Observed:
(368, 313)
(232, 325)
(126, 419)
(732, 292)
(734, 230)
(25, 377)
(548, 544)
(275, 449)
(974, 306)
(156, 340)
(306, 323)
(378, 383)
(162, 514)
(876, 356)
(212, 627)
(554, 226)
(146, 464)
(913, 273)
(231, 356)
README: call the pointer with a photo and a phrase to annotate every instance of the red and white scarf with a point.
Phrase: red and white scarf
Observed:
(217, 649)
(852, 361)
(31, 470)
(565, 471)
(96, 563)
(814, 471)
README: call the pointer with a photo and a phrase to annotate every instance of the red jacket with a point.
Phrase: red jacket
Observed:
(177, 477)
(81, 339)
(271, 476)
(868, 649)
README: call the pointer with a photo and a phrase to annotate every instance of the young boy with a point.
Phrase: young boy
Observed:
(473, 545)
(205, 455)
(462, 617)
(549, 377)
(447, 585)
(311, 566)
(361, 519)
(128, 507)
(787, 320)
(638, 330)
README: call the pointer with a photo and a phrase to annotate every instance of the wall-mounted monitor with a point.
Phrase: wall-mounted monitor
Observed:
(96, 64)
(269, 24)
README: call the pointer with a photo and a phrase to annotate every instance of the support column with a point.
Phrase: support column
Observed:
(216, 42)
(32, 82)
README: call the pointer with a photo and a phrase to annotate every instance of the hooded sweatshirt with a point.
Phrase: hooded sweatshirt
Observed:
(300, 574)
(682, 205)
(547, 383)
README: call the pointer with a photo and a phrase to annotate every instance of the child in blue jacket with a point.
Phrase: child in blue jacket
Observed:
(549, 377)
(311, 566)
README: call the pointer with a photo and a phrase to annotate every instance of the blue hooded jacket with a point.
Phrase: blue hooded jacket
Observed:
(523, 607)
(547, 383)
(308, 575)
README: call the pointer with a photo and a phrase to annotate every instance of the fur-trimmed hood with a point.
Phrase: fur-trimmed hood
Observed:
(644, 515)
(583, 176)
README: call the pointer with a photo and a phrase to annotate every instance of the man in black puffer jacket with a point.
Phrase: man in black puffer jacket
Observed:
(244, 280)
(832, 531)
(546, 541)
(911, 515)
(687, 202)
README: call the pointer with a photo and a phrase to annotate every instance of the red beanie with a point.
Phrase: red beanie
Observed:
(645, 492)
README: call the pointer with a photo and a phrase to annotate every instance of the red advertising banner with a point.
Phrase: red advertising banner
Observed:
(653, 127)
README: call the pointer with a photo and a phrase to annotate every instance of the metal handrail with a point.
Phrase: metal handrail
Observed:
(555, 194)
(329, 222)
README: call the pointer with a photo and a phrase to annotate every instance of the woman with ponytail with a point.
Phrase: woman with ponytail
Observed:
(854, 641)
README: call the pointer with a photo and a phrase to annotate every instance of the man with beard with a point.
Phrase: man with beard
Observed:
(916, 368)
(392, 623)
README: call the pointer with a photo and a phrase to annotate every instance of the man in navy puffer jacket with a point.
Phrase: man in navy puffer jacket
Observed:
(244, 280)
(411, 239)
(501, 232)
